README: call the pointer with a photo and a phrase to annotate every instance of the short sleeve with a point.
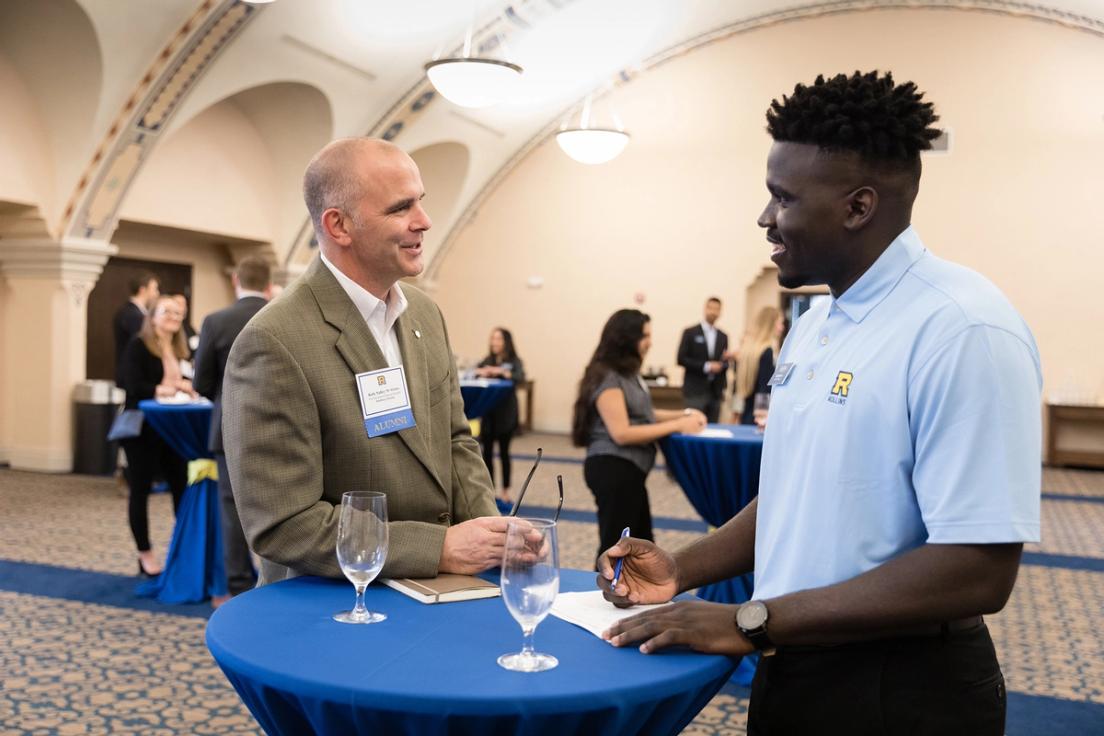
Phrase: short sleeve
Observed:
(974, 416)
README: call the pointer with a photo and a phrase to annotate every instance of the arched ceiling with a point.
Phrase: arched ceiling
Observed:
(366, 60)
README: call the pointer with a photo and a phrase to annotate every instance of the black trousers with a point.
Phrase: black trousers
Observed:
(489, 433)
(940, 685)
(146, 455)
(240, 575)
(622, 498)
(707, 404)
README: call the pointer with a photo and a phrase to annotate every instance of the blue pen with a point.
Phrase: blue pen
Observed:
(620, 561)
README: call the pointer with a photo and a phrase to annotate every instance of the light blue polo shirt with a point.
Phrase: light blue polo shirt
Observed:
(911, 415)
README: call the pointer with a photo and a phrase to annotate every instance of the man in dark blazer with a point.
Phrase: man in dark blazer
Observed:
(703, 352)
(144, 290)
(293, 408)
(252, 281)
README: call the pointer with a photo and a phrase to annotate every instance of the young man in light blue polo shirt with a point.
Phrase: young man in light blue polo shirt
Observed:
(901, 463)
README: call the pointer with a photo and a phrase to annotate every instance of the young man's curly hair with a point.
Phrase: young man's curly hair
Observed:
(868, 114)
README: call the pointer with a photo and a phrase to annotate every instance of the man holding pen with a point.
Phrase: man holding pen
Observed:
(900, 473)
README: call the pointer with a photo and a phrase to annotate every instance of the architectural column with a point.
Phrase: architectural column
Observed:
(43, 345)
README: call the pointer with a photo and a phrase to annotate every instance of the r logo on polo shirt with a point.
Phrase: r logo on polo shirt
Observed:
(841, 387)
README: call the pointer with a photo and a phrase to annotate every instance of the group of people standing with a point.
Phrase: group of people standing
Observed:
(900, 473)
(154, 360)
(704, 353)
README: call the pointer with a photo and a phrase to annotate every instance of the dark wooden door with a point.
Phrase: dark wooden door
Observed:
(111, 292)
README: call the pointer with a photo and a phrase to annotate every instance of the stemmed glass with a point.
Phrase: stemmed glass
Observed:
(361, 548)
(759, 411)
(530, 582)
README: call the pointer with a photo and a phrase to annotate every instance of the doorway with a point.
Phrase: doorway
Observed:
(111, 292)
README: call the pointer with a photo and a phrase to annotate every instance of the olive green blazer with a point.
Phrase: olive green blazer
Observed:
(295, 440)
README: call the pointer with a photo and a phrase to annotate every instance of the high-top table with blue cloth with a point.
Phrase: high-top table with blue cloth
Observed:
(194, 569)
(720, 476)
(483, 394)
(431, 669)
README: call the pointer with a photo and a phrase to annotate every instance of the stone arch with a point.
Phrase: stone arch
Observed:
(234, 167)
(51, 75)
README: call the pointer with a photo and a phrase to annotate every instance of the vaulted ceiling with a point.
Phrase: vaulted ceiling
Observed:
(122, 96)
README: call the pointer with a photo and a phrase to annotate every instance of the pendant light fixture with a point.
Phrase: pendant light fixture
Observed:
(592, 145)
(473, 81)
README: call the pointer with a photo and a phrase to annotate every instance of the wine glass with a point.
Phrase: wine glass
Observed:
(530, 582)
(361, 548)
(759, 411)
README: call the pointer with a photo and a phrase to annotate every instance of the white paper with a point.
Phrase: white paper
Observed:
(589, 610)
(716, 432)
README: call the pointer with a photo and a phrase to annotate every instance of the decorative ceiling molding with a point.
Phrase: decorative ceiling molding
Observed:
(413, 103)
(1030, 11)
(189, 54)
(339, 63)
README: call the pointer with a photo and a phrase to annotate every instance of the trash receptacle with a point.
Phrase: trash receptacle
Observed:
(95, 403)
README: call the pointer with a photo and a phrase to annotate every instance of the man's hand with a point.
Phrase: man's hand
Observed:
(474, 546)
(648, 574)
(698, 625)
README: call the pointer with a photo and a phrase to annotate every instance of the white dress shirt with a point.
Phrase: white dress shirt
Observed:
(710, 333)
(379, 315)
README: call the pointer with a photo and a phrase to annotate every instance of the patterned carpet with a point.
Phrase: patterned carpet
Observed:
(80, 655)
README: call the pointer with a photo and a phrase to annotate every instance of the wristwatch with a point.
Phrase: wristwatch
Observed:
(751, 620)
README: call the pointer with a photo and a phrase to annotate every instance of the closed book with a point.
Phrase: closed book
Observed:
(444, 588)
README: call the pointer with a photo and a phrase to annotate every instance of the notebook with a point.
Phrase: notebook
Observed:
(444, 588)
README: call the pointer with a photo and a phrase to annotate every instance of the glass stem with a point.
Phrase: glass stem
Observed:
(527, 642)
(359, 609)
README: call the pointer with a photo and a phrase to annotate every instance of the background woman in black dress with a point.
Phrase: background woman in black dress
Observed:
(150, 368)
(499, 426)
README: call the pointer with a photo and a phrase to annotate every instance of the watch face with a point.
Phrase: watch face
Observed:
(751, 615)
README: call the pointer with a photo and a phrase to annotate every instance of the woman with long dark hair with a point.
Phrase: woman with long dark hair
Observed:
(499, 426)
(615, 421)
(150, 368)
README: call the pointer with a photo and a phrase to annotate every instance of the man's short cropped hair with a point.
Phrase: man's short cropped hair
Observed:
(139, 280)
(885, 123)
(254, 273)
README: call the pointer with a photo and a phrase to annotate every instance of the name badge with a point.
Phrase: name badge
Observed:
(781, 374)
(385, 401)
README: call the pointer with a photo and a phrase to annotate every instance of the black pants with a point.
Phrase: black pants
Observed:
(488, 435)
(146, 455)
(240, 575)
(940, 685)
(622, 498)
(707, 404)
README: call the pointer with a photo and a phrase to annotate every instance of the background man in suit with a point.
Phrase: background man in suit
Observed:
(293, 425)
(703, 352)
(252, 280)
(144, 290)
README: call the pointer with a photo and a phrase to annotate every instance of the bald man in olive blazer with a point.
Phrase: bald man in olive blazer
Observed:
(293, 428)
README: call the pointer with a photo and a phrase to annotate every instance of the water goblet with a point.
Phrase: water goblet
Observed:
(759, 411)
(530, 582)
(361, 548)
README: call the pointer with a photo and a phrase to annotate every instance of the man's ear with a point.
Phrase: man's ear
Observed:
(335, 224)
(861, 205)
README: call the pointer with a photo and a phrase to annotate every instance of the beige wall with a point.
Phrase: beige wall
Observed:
(213, 175)
(1018, 198)
(26, 170)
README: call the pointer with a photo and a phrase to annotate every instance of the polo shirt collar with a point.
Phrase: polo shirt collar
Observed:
(874, 285)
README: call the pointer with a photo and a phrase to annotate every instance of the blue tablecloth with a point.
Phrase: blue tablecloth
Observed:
(483, 394)
(430, 669)
(720, 475)
(194, 568)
